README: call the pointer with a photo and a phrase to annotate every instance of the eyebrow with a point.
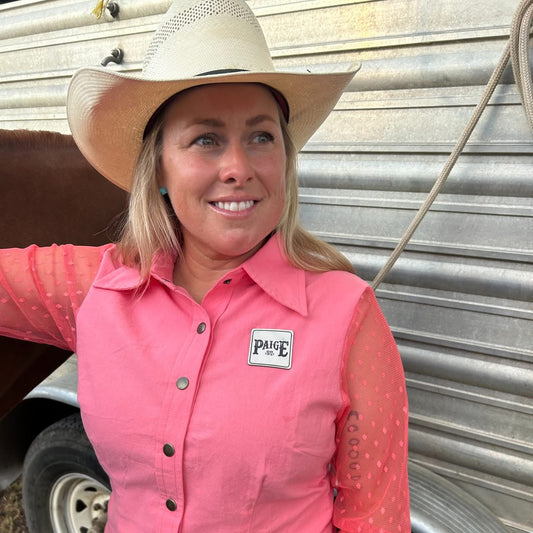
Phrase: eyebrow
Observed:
(215, 123)
(258, 119)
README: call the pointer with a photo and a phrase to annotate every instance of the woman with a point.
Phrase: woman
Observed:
(233, 372)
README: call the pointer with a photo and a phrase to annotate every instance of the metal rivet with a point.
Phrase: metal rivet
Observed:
(171, 505)
(168, 450)
(182, 383)
(113, 8)
(201, 327)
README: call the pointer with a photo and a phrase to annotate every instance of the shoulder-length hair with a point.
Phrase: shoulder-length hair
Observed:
(152, 228)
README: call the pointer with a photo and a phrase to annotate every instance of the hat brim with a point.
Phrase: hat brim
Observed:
(108, 110)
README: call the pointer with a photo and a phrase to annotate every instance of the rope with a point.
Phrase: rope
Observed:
(99, 8)
(517, 48)
(520, 30)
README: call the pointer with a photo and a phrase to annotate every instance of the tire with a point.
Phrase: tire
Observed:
(65, 490)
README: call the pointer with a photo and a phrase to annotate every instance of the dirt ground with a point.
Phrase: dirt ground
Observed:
(11, 512)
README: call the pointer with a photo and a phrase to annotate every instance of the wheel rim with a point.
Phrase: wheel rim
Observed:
(78, 503)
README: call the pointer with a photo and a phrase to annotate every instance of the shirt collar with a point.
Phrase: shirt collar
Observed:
(113, 275)
(268, 268)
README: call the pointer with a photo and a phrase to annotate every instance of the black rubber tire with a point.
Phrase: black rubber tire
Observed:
(61, 449)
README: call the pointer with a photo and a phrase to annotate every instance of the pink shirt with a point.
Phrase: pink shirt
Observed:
(237, 415)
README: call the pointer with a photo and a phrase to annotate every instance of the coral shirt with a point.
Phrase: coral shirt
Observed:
(237, 415)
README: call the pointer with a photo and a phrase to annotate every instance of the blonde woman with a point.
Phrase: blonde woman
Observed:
(234, 374)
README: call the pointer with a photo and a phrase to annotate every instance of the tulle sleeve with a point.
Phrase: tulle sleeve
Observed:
(370, 467)
(41, 290)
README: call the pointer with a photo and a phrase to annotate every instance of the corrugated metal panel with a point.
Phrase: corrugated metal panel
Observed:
(460, 298)
(42, 43)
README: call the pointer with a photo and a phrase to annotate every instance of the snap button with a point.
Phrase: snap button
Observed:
(201, 327)
(171, 505)
(227, 281)
(182, 383)
(168, 450)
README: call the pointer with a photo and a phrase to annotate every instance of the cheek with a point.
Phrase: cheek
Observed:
(278, 176)
(166, 174)
(182, 177)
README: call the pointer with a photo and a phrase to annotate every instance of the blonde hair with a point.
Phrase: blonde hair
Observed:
(152, 227)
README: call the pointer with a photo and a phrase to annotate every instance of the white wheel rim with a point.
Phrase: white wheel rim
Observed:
(77, 502)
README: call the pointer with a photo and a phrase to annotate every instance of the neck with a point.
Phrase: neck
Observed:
(197, 273)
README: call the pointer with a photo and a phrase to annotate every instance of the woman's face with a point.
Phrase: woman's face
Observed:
(223, 165)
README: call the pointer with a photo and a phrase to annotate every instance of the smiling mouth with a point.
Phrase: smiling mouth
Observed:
(234, 206)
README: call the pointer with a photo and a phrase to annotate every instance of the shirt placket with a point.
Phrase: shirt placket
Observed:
(178, 405)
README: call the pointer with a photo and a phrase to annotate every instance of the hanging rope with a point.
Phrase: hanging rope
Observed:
(519, 43)
(518, 49)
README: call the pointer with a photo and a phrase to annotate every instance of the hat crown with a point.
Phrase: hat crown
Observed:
(198, 42)
(197, 37)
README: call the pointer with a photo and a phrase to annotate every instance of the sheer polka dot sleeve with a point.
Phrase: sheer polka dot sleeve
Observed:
(41, 290)
(370, 468)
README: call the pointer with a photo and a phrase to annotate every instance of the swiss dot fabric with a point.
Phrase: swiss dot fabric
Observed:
(41, 290)
(371, 454)
(336, 419)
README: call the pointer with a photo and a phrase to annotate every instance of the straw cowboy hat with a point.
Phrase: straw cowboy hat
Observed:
(198, 42)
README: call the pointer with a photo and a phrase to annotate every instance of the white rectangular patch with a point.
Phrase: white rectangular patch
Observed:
(271, 347)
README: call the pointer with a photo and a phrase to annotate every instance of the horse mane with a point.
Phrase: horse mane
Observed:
(33, 138)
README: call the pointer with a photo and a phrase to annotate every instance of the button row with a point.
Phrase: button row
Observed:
(168, 449)
(171, 504)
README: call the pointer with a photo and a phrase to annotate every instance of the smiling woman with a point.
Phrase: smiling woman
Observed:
(223, 164)
(241, 373)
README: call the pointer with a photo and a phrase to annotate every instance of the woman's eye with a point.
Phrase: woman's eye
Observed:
(204, 140)
(263, 137)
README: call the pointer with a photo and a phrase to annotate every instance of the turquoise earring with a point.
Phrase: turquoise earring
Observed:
(163, 191)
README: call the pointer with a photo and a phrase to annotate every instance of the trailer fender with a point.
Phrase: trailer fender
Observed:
(439, 506)
(54, 399)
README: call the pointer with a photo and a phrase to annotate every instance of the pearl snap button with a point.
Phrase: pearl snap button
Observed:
(171, 505)
(168, 450)
(182, 383)
(201, 327)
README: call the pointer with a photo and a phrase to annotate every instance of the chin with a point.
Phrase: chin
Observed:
(241, 246)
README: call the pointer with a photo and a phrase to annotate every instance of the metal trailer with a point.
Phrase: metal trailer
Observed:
(459, 300)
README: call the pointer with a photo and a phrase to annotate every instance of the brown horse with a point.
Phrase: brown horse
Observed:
(48, 194)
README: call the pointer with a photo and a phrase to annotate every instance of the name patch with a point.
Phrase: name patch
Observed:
(271, 347)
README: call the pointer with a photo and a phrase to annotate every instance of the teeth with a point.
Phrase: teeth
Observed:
(234, 206)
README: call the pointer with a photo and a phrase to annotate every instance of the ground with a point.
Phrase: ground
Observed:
(11, 512)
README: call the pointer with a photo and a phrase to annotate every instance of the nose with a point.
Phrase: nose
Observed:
(235, 165)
